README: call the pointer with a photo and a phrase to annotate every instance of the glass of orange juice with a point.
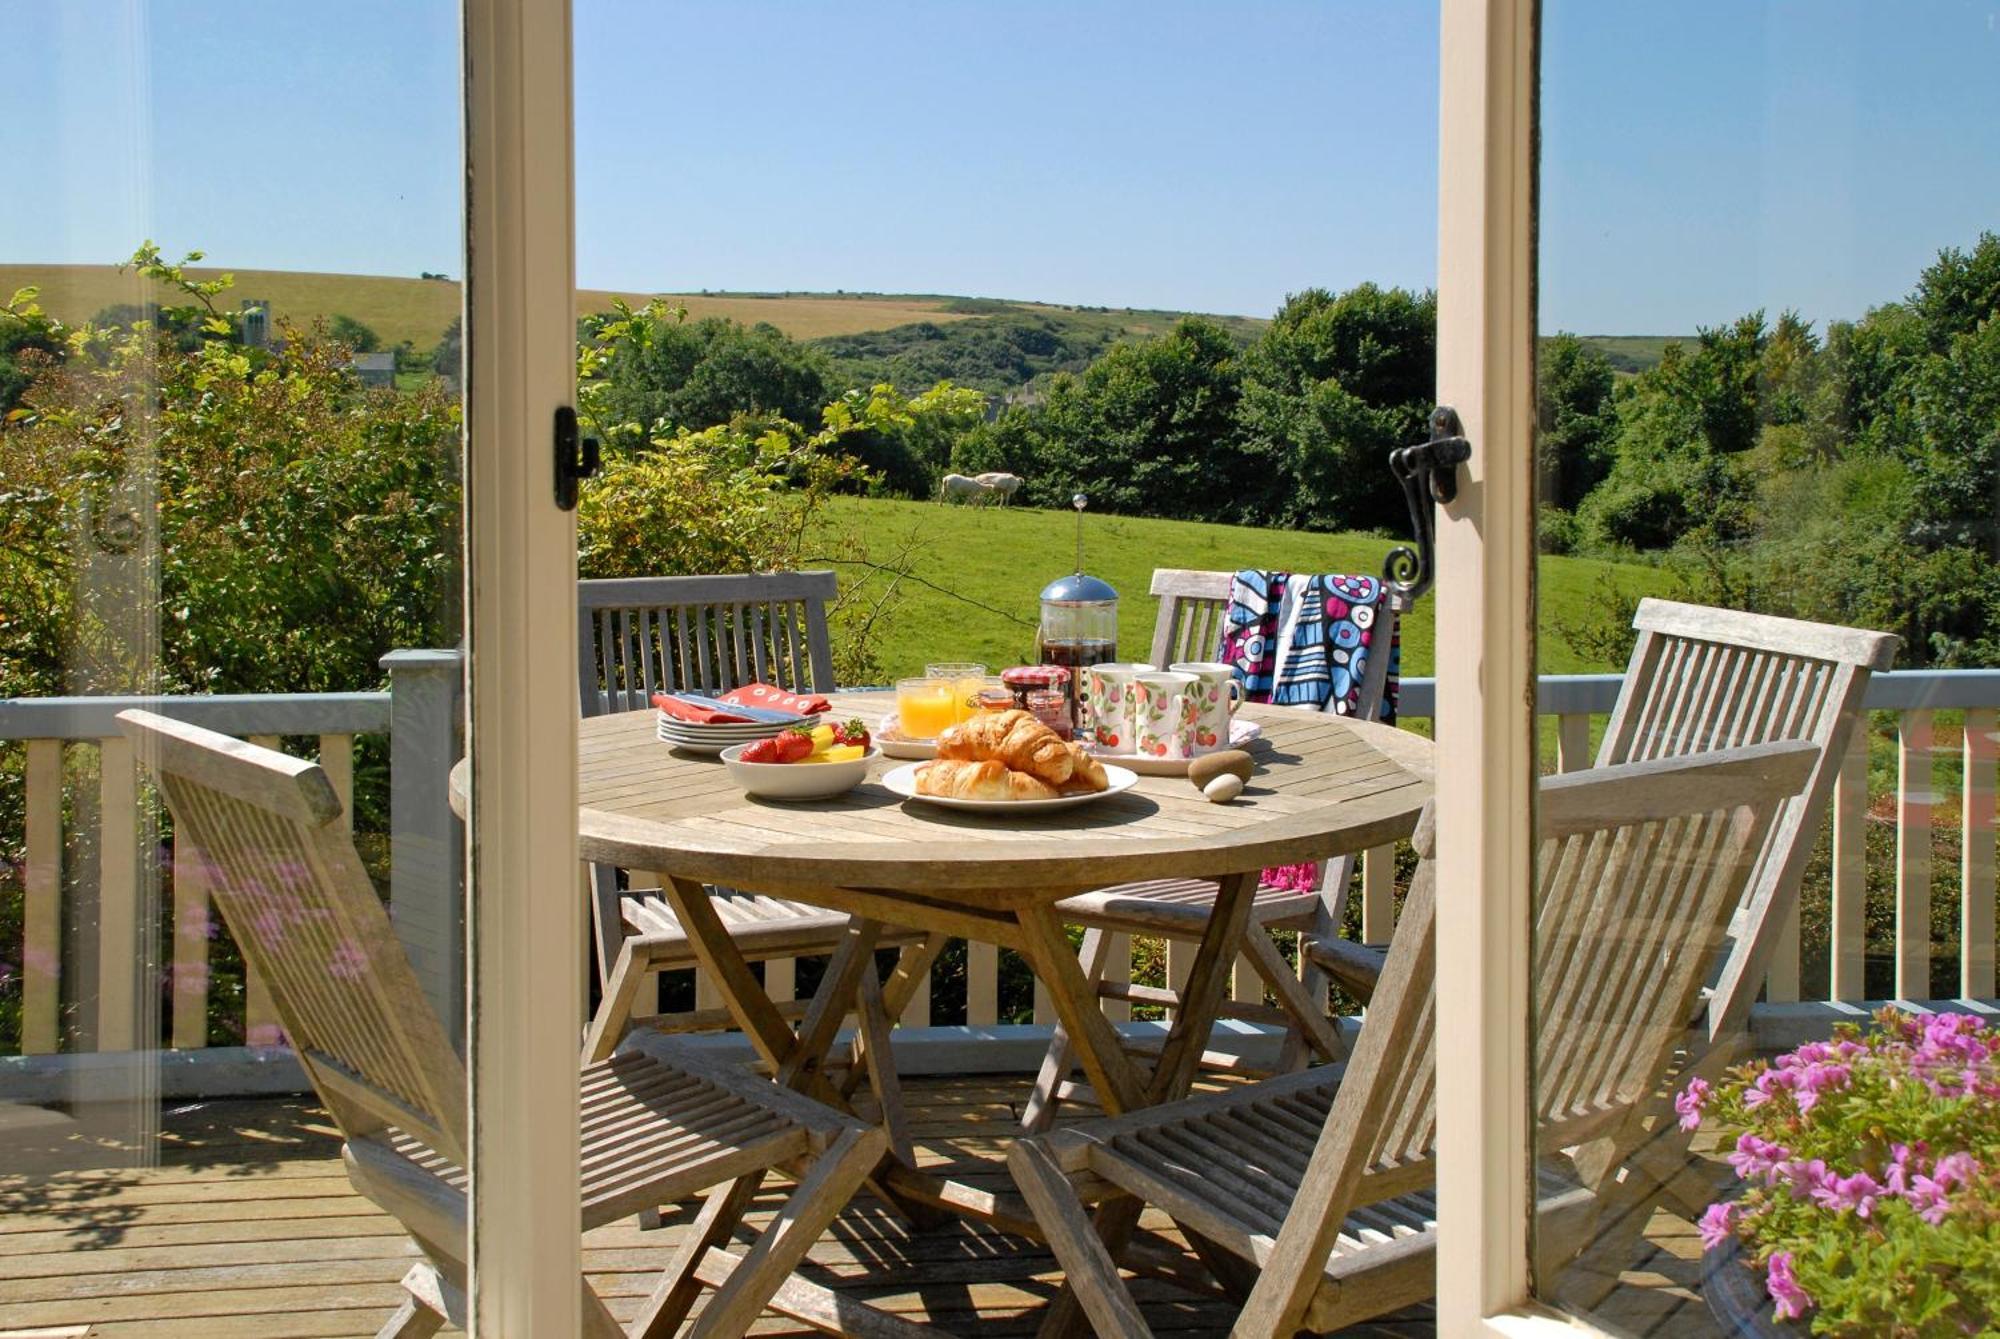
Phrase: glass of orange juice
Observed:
(926, 707)
(966, 680)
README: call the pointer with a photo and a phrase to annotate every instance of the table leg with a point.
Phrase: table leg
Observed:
(797, 1059)
(1173, 1073)
(744, 995)
(901, 987)
(1119, 1085)
(1201, 998)
(851, 960)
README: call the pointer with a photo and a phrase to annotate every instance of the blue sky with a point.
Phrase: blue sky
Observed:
(1700, 159)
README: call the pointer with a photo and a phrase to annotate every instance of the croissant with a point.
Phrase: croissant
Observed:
(989, 780)
(1015, 738)
(1088, 775)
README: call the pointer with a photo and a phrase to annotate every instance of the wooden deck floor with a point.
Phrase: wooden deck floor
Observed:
(249, 1227)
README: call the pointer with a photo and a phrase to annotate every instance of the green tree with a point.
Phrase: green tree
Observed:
(448, 359)
(1334, 385)
(659, 368)
(1574, 422)
(28, 339)
(1149, 429)
(356, 336)
(1958, 291)
(993, 354)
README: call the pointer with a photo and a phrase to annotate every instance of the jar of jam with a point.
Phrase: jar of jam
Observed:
(1051, 707)
(993, 697)
(1043, 690)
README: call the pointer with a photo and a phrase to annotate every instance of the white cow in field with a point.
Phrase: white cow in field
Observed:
(1001, 486)
(961, 486)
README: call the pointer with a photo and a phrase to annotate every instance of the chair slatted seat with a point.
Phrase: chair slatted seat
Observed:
(1322, 1180)
(1192, 616)
(283, 871)
(637, 636)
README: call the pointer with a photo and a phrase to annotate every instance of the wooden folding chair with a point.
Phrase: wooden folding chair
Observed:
(1322, 1180)
(1193, 607)
(1702, 678)
(641, 635)
(284, 872)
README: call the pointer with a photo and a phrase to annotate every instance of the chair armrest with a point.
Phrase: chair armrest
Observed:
(1356, 968)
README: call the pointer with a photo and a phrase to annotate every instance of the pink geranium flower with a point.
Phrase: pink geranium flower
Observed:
(1688, 1103)
(1793, 1301)
(1718, 1224)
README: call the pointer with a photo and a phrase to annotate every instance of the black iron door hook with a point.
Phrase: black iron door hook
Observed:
(576, 457)
(1427, 470)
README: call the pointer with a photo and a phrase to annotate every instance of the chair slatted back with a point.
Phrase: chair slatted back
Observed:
(1193, 613)
(1638, 868)
(1703, 678)
(640, 635)
(283, 870)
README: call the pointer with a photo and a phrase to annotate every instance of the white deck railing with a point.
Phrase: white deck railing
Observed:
(111, 1007)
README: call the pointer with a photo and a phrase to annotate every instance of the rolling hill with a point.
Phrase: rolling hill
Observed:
(418, 310)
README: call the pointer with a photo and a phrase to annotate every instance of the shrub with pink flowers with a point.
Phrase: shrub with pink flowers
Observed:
(1871, 1176)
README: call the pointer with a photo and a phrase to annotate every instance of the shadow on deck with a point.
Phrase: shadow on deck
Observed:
(249, 1227)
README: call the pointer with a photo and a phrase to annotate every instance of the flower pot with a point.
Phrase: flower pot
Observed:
(1733, 1287)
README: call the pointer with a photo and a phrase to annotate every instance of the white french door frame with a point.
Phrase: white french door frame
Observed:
(1485, 669)
(524, 922)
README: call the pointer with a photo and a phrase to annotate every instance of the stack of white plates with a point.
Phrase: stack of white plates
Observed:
(715, 738)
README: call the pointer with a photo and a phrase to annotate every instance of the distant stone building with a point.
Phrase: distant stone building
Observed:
(375, 369)
(255, 321)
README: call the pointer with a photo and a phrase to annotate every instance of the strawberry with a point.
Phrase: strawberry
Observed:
(794, 744)
(761, 750)
(851, 732)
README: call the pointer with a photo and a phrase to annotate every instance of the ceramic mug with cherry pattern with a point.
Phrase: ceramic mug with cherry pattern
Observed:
(1166, 715)
(1217, 694)
(1111, 703)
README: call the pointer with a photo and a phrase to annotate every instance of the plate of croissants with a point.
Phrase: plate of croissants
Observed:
(1007, 760)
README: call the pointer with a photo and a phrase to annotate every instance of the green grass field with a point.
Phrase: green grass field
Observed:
(1632, 353)
(998, 560)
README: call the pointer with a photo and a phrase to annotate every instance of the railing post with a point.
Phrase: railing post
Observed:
(982, 984)
(426, 849)
(41, 953)
(1850, 873)
(123, 962)
(1975, 963)
(1914, 801)
(1572, 742)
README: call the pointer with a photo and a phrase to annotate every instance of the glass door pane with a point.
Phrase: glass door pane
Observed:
(1177, 258)
(231, 455)
(1768, 411)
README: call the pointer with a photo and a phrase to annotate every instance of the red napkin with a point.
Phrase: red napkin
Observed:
(750, 695)
(682, 710)
(776, 699)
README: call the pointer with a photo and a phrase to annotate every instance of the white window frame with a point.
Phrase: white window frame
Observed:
(525, 936)
(1485, 671)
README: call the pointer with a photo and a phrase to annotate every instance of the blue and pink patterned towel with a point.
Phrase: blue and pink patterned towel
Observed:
(1301, 640)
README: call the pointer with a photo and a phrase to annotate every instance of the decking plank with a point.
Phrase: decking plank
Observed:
(252, 1229)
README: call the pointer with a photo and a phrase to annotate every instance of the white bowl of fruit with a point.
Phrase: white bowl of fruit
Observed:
(803, 764)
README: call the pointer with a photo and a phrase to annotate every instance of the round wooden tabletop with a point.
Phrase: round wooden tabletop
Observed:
(1325, 786)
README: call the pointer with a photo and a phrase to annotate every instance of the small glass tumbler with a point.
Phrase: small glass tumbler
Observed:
(967, 678)
(925, 708)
